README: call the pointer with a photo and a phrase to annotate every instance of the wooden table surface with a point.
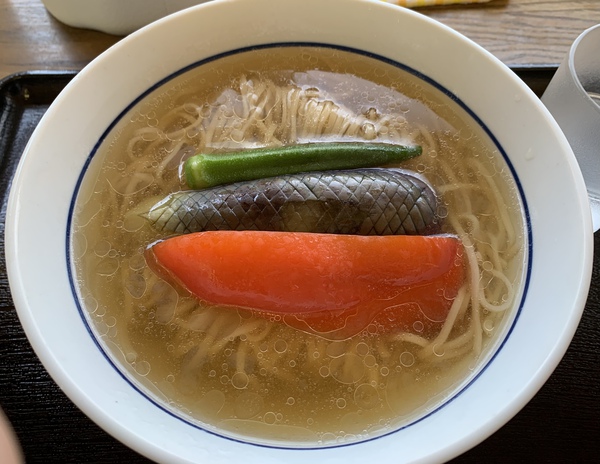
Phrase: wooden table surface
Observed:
(518, 32)
(560, 425)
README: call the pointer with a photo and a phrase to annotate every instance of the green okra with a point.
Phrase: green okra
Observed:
(209, 169)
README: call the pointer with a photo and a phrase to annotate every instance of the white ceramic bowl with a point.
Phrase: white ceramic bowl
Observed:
(44, 185)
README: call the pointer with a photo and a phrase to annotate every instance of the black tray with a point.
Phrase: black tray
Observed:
(561, 423)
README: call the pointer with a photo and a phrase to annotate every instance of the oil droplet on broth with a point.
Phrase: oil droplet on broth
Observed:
(280, 346)
(347, 369)
(212, 402)
(107, 267)
(407, 359)
(142, 368)
(240, 380)
(366, 396)
(270, 418)
(102, 248)
(90, 303)
(136, 285)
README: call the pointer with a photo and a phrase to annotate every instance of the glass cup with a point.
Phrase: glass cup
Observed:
(573, 98)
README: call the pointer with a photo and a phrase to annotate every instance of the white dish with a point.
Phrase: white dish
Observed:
(114, 16)
(40, 201)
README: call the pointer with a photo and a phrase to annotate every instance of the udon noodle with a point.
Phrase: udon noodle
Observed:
(258, 378)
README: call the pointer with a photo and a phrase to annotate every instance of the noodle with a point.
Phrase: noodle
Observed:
(233, 348)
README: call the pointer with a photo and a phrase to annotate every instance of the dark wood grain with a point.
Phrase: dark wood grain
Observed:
(31, 39)
(518, 32)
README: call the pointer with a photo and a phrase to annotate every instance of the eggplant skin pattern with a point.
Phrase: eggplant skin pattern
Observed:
(370, 201)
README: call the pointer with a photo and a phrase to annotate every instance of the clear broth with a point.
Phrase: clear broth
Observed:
(257, 379)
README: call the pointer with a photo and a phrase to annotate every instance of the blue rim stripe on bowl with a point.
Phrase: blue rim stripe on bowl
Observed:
(453, 97)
